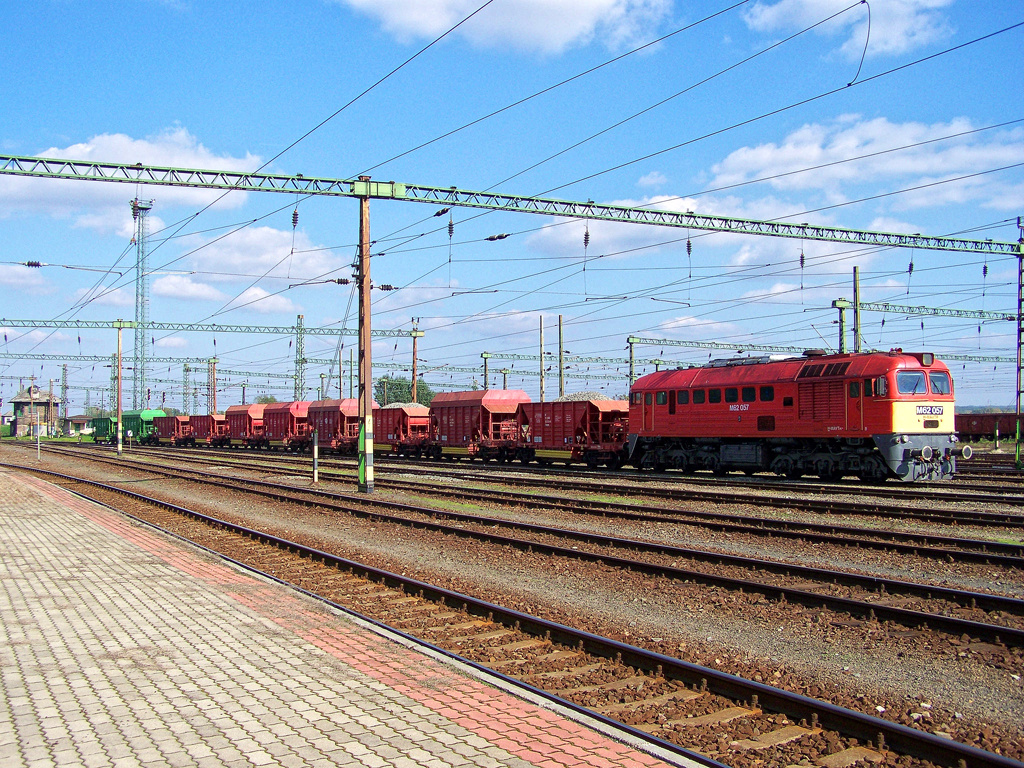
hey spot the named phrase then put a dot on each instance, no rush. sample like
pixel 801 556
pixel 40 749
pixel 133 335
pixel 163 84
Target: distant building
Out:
pixel 77 425
pixel 35 411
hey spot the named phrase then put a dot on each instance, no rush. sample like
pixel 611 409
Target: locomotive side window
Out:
pixel 910 383
pixel 637 398
pixel 748 394
pixel 854 389
pixel 662 398
pixel 732 395
pixel 787 402
pixel 767 394
pixel 868 391
pixel 683 396
pixel 714 395
pixel 648 398
pixel 698 396
pixel 939 381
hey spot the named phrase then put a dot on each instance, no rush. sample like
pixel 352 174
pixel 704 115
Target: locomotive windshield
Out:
pixel 939 381
pixel 910 382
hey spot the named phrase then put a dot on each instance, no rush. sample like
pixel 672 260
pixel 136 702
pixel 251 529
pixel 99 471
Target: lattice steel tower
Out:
pixel 140 213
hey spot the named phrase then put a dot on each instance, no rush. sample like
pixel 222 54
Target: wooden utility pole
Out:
pixel 561 360
pixel 416 333
pixel 365 362
pixel 542 358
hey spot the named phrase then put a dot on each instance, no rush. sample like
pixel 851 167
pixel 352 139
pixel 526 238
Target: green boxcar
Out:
pixel 103 429
pixel 140 424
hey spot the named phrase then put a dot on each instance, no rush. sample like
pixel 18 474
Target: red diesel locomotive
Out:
pixel 875 415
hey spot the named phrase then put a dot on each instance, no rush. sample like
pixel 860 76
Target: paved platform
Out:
pixel 120 646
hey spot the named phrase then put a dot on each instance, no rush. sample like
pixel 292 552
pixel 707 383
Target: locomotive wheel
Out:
pixel 786 466
pixel 873 470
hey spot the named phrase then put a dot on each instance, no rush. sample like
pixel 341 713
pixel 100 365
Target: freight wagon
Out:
pixel 138 425
pixel 481 423
pixel 285 425
pixel 404 427
pixel 973 427
pixel 210 429
pixel 245 425
pixel 104 429
pixel 336 423
pixel 172 430
pixel 589 431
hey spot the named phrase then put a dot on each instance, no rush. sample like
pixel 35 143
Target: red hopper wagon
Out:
pixel 336 423
pixel 480 423
pixel 171 430
pixel 210 429
pixel 403 426
pixel 245 425
pixel 590 431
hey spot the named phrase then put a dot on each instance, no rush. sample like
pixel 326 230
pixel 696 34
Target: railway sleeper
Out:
pixel 683 694
pixel 776 738
pixel 850 757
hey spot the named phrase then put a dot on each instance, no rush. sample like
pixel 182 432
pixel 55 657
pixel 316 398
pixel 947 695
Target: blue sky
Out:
pixel 689 123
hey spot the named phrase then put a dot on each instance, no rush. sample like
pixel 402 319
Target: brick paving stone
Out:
pixel 130 649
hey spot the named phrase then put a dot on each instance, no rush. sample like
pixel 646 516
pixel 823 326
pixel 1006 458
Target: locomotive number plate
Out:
pixel 929 410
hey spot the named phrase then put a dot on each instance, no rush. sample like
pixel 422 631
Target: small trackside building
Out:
pixel 481 423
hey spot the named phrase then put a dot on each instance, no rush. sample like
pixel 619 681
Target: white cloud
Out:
pixel 35 336
pixel 265 251
pixel 897 26
pixel 183 287
pixel 22 278
pixel 546 26
pixel 172 342
pixel 652 179
pixel 105 207
pixel 263 302
pixel 106 297
pixel 848 136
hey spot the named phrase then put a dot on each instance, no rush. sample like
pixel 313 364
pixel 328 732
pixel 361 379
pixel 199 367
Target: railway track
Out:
pixel 863 507
pixel 990 552
pixel 724 719
pixel 933 606
pixel 983 491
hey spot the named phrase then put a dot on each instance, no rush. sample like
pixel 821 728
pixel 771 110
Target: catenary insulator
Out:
pixel 295 218
pixel 689 247
pixel 451 228
pixel 586 238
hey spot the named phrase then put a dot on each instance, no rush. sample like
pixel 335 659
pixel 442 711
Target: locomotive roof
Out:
pixel 766 371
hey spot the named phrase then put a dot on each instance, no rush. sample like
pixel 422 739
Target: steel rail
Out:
pixel 865 609
pixel 925 545
pixel 908 740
